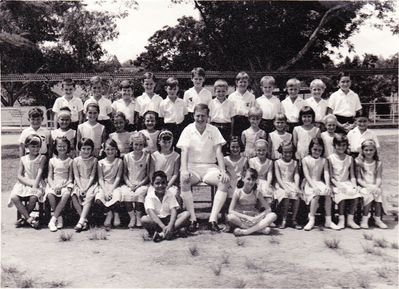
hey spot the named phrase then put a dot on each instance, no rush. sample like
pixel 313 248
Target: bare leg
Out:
pixel 284 210
pixel 261 225
pixel 61 205
pixel 295 209
pixel 53 201
pixel 327 208
pixel 20 207
pixel 218 202
pixel 234 221
pixel 377 217
pixel 182 219
pixel 32 203
pixel 314 204
pixel 77 205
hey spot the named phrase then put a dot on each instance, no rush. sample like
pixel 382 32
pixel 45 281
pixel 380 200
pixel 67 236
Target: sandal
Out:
pixel 79 227
pixel 20 223
pixel 33 223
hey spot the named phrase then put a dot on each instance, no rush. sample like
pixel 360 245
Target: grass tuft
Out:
pixel 275 241
pixel 381 243
pixel 96 234
pixel 25 282
pixel 239 283
pixel 217 269
pixel 382 272
pixel 9 269
pixel 367 236
pixel 332 243
pixel 240 242
pixel 57 284
pixel 194 250
pixel 225 259
pixel 394 245
pixel 372 250
pixel 363 281
pixel 250 264
pixel 65 236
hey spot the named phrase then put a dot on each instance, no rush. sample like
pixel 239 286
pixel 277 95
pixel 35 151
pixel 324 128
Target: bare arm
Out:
pixel 50 177
pixel 224 178
pixel 175 175
pixel 101 178
pixel 295 137
pixel 21 149
pixel 307 176
pixel 296 176
pixel 352 173
pixel 331 173
pixel 118 177
pixel 21 178
pixel 78 138
pixel 243 139
pixel 264 204
pixel 233 206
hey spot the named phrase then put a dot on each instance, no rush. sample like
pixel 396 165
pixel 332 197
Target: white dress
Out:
pixel 304 138
pixel 30 170
pixel 250 138
pixel 340 173
pixel 93 132
pixel 85 167
pixel 262 169
pixel 110 171
pixel 316 170
pixel 152 139
pixel 287 173
pixel 234 169
pixel 122 140
pixel 328 143
pixel 60 176
pixel 277 139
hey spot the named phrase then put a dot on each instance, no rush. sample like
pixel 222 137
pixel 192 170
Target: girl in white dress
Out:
pixel 85 172
pixel 369 178
pixel 278 136
pixel 315 168
pixel 150 133
pixel 253 133
pixel 243 213
pixel 343 181
pixel 136 165
pixel 64 122
pixel 303 133
pixel 330 123
pixel 121 136
pixel 287 184
pixel 108 193
pixel 59 181
pixel 30 184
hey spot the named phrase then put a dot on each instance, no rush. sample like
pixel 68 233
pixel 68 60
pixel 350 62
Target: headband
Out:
pixel 368 142
pixel 64 113
pixel 261 141
pixel 165 133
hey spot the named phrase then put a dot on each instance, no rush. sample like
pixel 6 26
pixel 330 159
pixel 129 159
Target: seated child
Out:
pixel 64 130
pixel 359 134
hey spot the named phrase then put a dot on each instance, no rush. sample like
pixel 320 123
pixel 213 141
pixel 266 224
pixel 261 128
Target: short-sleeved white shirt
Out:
pixel 291 109
pixel 201 147
pixel 44 134
pixel 75 105
pixel 355 138
pixel 172 111
pixel 242 102
pixel 192 98
pixel 127 109
pixel 221 112
pixel 104 104
pixel 164 208
pixel 269 106
pixel 144 103
pixel 320 108
pixel 344 104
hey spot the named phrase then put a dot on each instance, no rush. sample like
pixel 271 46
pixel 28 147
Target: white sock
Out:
pixel 188 200
pixel 218 202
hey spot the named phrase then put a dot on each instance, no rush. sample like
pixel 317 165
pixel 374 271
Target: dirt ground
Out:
pixel 287 259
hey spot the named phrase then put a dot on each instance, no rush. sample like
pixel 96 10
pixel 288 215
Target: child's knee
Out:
pixel 185 194
pixel 15 198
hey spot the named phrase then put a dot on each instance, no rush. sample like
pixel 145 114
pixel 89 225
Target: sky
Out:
pixel 152 15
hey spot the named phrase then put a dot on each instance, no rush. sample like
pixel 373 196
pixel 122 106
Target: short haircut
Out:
pixel 255 111
pixel 138 136
pixel 317 82
pixel 316 141
pixel 198 71
pixel 172 82
pixel 125 84
pixel 238 140
pixel 293 82
pixel 267 79
pixel 93 104
pixel 68 81
pixel 306 110
pixel 220 83
pixel 159 174
pixel 242 75
pixel 201 106
pixel 95 80
pixel 254 175
pixel 286 144
pixel 329 117
pixel 340 139
pixel 150 112
pixel 119 114
pixel 280 116
pixel 149 75
pixel 33 139
pixel 113 144
pixel 35 112
pixel 86 142
pixel 343 74
pixel 62 139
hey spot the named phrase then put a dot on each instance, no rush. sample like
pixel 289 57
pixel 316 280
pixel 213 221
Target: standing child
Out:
pixel 318 104
pixel 242 100
pixel 135 175
pixel 369 178
pixel 84 172
pixel 292 104
pixel 30 182
pixel 196 94
pixel 91 129
pixel 75 104
pixel 315 168
pixel 345 104
pixel 64 130
pixel 253 133
pixel 269 103
pixel 330 123
pixel 343 181
pixel 287 185
pixel 121 136
pixel 359 134
pixel 127 105
pixel 278 136
pixel 150 133
pixel 59 181
pixel 243 212
pixel 162 220
pixel 108 194
pixel 305 132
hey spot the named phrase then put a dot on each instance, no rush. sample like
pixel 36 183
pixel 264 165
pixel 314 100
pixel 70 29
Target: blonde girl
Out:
pixel 30 183
pixel 85 173
pixel 253 133
pixel 242 211
pixel 64 130
pixel 369 178
pixel 343 180
pixel 330 123
pixel 135 174
pixel 315 168
pixel 59 181
pixel 121 136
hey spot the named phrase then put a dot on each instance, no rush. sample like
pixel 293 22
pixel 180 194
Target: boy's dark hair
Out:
pixel 306 110
pixel 63 139
pixel 340 138
pixel 254 175
pixel 113 144
pixel 35 112
pixel 86 142
pixel 316 141
pixel 33 139
pixel 172 82
pixel 343 74
pixel 201 106
pixel 68 81
pixel 65 108
pixel 125 84
pixel 93 104
pixel 153 113
pixel 95 80
pixel 149 75
pixel 160 174
pixel 198 71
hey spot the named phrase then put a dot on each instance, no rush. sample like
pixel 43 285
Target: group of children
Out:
pixel 277 154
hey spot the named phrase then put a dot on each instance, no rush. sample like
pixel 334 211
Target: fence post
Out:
pixel 375 112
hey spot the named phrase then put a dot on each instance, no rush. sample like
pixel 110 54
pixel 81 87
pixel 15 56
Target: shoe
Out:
pixel 52 226
pixel 351 223
pixel 238 232
pixel 341 222
pixel 117 220
pixel 213 226
pixel 138 223
pixel 266 231
pixel 193 226
pixel 33 223
pixel 379 223
pixel 227 229
pixel 309 226
pixel 60 222
pixel 331 225
pixel 20 223
pixel 157 237
pixel 283 224
pixel 79 227
pixel 182 233
pixel 364 224
pixel 296 225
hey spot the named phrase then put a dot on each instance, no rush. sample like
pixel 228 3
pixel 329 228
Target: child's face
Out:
pixel 307 119
pixel 317 91
pixel 110 151
pixel 201 116
pixel 220 92
pixel 316 151
pixel 242 83
pixel 148 85
pixel 166 143
pixel 293 90
pixel 97 89
pixel 138 145
pixel 127 93
pixel 34 149
pixel 267 88
pixel 248 181
pixel 68 89
pixel 369 152
pixel 172 91
pixel 159 185
pixel 254 120
pixel 362 123
pixel 64 121
pixel 62 148
pixel 36 122
pixel 149 121
pixel 287 154
pixel 235 148
pixel 279 125
pixel 261 151
pixel 341 148
pixel 85 151
pixel 198 81
pixel 331 125
pixel 119 124
pixel 92 114
pixel 344 83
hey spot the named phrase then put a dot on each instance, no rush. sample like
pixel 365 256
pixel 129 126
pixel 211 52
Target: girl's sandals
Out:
pixel 20 223
pixel 33 223
pixel 81 227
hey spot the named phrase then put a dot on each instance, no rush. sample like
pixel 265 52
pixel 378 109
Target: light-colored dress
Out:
pixel 166 163
pixel 262 169
pixel 234 169
pixel 60 175
pixel 250 138
pixel 93 132
pixel 316 171
pixel 287 173
pixel 30 170
pixel 304 138
pixel 328 143
pixel 277 139
pixel 85 168
pixel 152 139
pixel 137 171
pixel 122 140
pixel 246 204
pixel 340 173
pixel 110 171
